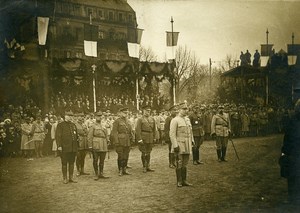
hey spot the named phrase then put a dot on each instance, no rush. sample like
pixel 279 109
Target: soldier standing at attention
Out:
pixel 181 136
pixel 173 112
pixel 67 142
pixel 220 129
pixel 197 121
pixel 122 137
pixel 83 146
pixel 145 136
pixel 98 142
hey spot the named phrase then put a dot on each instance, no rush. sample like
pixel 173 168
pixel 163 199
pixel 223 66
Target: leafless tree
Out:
pixel 228 63
pixel 147 54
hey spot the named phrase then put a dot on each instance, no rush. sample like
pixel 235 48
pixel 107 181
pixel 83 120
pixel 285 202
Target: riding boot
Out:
pixel 120 165
pixel 78 166
pixel 144 162
pixel 124 170
pixel 184 174
pixel 96 172
pixel 71 171
pixel 101 175
pixel 64 172
pixel 171 164
pixel 148 164
pixel 224 154
pixel 179 177
pixel 82 169
pixel 219 155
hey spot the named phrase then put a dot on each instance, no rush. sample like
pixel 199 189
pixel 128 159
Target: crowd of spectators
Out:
pixel 245 120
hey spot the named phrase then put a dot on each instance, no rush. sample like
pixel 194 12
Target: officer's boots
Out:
pixel 101 175
pixel 71 171
pixel 219 155
pixel 124 168
pixel 179 177
pixel 171 160
pixel 96 173
pixel 184 174
pixel 144 162
pixel 224 154
pixel 148 164
pixel 64 171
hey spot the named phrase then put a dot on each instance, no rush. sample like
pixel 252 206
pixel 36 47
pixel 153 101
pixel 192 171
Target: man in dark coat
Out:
pixel 291 148
pixel 67 142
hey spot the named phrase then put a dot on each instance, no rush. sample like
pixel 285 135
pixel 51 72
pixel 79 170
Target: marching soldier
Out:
pixel 145 135
pixel 197 121
pixel 181 136
pixel 220 129
pixel 83 146
pixel 122 137
pixel 67 142
pixel 98 142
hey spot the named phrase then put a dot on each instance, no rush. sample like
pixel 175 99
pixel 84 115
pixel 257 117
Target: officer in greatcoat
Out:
pixel 145 132
pixel 181 136
pixel 122 137
pixel 67 143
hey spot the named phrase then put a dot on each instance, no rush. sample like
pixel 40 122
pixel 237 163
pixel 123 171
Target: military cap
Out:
pixel 69 113
pixel 220 107
pixel 99 113
pixel 146 107
pixel 123 109
pixel 174 107
pixel 182 105
pixel 80 114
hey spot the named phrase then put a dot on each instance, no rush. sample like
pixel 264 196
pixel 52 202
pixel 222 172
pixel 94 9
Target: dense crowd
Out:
pixel 20 122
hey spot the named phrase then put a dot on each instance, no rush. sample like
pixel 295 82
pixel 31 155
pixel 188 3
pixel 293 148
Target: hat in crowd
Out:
pixel 80 114
pixel 69 113
pixel 123 109
pixel 220 107
pixel 174 107
pixel 7 120
pixel 98 113
pixel 183 105
pixel 146 107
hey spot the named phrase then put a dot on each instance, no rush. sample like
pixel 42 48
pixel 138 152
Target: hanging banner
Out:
pixel 293 49
pixel 172 38
pixel 266 49
pixel 42 29
pixel 135 35
pixel 90 40
pixel 133 50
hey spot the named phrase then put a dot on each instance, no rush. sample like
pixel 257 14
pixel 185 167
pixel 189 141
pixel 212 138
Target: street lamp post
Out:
pixel 94 87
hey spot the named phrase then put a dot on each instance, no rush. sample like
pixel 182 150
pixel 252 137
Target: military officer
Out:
pixel 197 121
pixel 83 146
pixel 220 129
pixel 98 140
pixel 67 143
pixel 181 136
pixel 122 138
pixel 145 135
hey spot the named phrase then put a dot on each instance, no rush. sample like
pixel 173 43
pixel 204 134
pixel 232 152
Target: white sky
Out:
pixel 215 28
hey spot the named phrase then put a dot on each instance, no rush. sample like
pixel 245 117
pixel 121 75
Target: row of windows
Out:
pixel 96 13
pixel 79 54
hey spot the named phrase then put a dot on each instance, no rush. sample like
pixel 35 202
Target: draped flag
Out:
pixel 266 49
pixel 172 38
pixel 134 40
pixel 293 49
pixel 90 40
pixel 42 23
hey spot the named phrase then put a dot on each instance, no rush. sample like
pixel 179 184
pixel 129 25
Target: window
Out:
pixel 130 18
pixel 89 11
pixel 101 35
pixel 121 17
pixel 78 54
pixel 79 34
pixel 110 15
pixel 68 54
pixel 65 8
pixel 100 14
pixel 77 10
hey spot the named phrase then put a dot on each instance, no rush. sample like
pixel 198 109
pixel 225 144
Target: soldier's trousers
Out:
pixel 80 160
pixel 182 160
pixel 68 159
pixel 98 161
pixel 145 149
pixel 123 155
pixel 198 140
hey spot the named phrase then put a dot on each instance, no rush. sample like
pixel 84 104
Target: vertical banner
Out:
pixel 172 38
pixel 90 40
pixel 42 23
pixel 266 49
pixel 133 50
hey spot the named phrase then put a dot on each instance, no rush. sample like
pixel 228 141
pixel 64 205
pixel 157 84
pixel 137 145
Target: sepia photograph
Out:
pixel 149 106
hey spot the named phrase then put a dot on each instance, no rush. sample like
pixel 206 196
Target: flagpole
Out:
pixel 174 80
pixel 293 37
pixel 94 87
pixel 267 76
